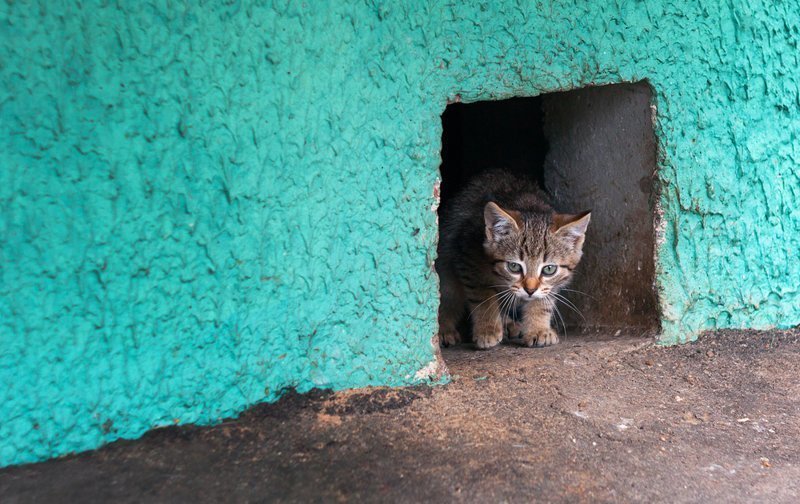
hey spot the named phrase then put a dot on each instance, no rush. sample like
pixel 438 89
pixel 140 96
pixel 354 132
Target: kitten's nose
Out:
pixel 530 285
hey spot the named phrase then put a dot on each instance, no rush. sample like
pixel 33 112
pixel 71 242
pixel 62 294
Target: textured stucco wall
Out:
pixel 205 204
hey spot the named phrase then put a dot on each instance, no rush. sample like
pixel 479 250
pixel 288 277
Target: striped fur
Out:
pixel 503 256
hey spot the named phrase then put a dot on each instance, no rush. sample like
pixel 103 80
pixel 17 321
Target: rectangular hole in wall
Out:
pixel 590 148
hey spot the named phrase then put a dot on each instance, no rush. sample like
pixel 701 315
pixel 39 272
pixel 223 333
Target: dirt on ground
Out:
pixel 594 419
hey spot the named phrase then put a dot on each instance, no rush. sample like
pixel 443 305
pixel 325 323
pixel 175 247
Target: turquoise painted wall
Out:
pixel 204 205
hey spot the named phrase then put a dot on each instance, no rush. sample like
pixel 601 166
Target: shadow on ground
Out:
pixel 593 419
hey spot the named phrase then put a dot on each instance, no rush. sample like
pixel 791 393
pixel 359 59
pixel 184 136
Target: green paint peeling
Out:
pixel 205 206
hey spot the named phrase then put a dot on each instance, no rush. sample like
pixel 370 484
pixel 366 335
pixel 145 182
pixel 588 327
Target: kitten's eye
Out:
pixel 513 267
pixel 549 270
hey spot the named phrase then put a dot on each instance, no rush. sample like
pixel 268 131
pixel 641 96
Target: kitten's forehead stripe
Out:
pixel 523 245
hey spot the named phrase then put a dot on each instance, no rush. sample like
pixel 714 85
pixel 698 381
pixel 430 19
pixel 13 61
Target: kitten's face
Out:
pixel 533 255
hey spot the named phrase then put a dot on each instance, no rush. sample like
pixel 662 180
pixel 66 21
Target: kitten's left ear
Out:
pixel 572 226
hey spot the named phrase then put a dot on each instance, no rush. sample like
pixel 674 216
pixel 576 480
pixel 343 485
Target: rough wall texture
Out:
pixel 602 157
pixel 204 204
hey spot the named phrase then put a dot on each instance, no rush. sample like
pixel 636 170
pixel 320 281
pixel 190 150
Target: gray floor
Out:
pixel 593 419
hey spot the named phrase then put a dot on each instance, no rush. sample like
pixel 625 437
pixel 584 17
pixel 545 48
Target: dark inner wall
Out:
pixel 603 157
pixel 492 134
pixel 591 148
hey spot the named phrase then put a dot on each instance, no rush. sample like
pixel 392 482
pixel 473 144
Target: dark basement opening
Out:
pixel 589 148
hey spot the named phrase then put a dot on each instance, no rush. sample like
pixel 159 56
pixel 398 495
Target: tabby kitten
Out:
pixel 503 255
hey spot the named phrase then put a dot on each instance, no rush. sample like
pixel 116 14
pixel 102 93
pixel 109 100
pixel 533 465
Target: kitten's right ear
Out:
pixel 499 223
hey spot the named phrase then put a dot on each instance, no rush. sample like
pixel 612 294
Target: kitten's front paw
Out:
pixel 449 338
pixel 484 341
pixel 540 338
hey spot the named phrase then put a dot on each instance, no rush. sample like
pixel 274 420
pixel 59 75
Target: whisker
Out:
pixel 553 307
pixel 485 300
pixel 496 312
pixel 485 313
pixel 558 313
pixel 514 305
pixel 579 292
pixel 568 304
pixel 502 313
pixel 514 300
pixel 505 306
pixel 565 300
pixel 512 308
pixel 573 308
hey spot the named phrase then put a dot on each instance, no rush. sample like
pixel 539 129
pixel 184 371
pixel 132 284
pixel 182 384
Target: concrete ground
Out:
pixel 591 420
